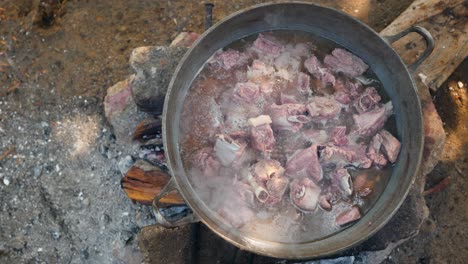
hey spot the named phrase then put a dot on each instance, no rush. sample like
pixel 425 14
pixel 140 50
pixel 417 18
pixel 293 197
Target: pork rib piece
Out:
pixel 391 145
pixel 229 59
pixel 348 216
pixel 320 72
pixel 270 175
pixel 343 61
pixel 368 100
pixel 261 134
pixel 338 136
pixel 207 163
pixel 287 116
pixel 247 92
pixel 268 45
pixel 305 163
pixel 322 108
pixel 370 122
pixel 229 151
pixel 304 194
pixel 374 153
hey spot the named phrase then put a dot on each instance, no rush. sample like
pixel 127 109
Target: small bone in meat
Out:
pixel 246 92
pixel 207 163
pixel 228 150
pixel 323 108
pixel 269 173
pixel 321 73
pixel 261 135
pixel 304 194
pixel 348 216
pixel 260 192
pixel 368 100
pixel 391 145
pixel 374 153
pixel 305 163
pixel 338 136
pixel 343 179
pixel 230 58
pixel 370 122
pixel 280 113
pixel 266 169
pixel 268 45
pixel 343 61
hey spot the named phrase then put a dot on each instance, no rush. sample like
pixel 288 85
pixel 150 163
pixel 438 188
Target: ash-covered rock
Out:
pixel 153 67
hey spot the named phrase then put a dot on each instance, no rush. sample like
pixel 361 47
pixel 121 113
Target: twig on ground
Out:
pixel 4 155
pixel 438 187
pixel 458 170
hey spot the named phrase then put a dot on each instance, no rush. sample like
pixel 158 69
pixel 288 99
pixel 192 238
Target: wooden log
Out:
pixel 144 181
pixel 147 129
pixel 447 20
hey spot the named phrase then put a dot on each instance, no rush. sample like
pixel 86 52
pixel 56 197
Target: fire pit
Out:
pixel 407 220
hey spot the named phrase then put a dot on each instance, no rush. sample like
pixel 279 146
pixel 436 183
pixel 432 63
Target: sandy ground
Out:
pixel 60 197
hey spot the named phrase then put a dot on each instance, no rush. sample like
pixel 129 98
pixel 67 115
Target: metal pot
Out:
pixel 348 32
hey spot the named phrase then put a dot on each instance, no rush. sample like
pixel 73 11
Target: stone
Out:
pixel 153 67
pixel 125 164
pixel 155 242
pixel 121 111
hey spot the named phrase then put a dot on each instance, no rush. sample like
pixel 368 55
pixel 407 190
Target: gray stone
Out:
pixel 37 171
pixel 125 164
pixel 121 111
pixel 153 67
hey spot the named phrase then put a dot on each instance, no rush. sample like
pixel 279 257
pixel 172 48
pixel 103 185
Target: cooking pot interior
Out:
pixel 352 35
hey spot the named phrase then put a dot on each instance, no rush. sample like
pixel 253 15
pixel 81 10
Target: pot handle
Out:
pixel 427 37
pixel 170 210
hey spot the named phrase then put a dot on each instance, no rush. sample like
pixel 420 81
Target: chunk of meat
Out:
pixel 247 92
pixel 288 99
pixel 322 108
pixel 230 59
pixel 374 153
pixel 305 163
pixel 368 100
pixel 302 83
pixel 338 136
pixel 266 169
pixel 370 122
pixel 270 174
pixel 259 69
pixel 354 155
pixel 348 216
pixel 342 179
pixel 321 73
pixel 390 145
pixel 343 61
pixel 287 116
pixel 229 151
pixel 288 62
pixel 304 194
pixel 207 162
pixel 268 45
pixel 276 188
pixel 261 134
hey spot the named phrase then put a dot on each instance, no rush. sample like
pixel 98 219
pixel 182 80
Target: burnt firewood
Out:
pixel 149 128
pixel 144 181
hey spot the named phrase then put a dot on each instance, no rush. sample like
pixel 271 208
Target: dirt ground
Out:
pixel 60 195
